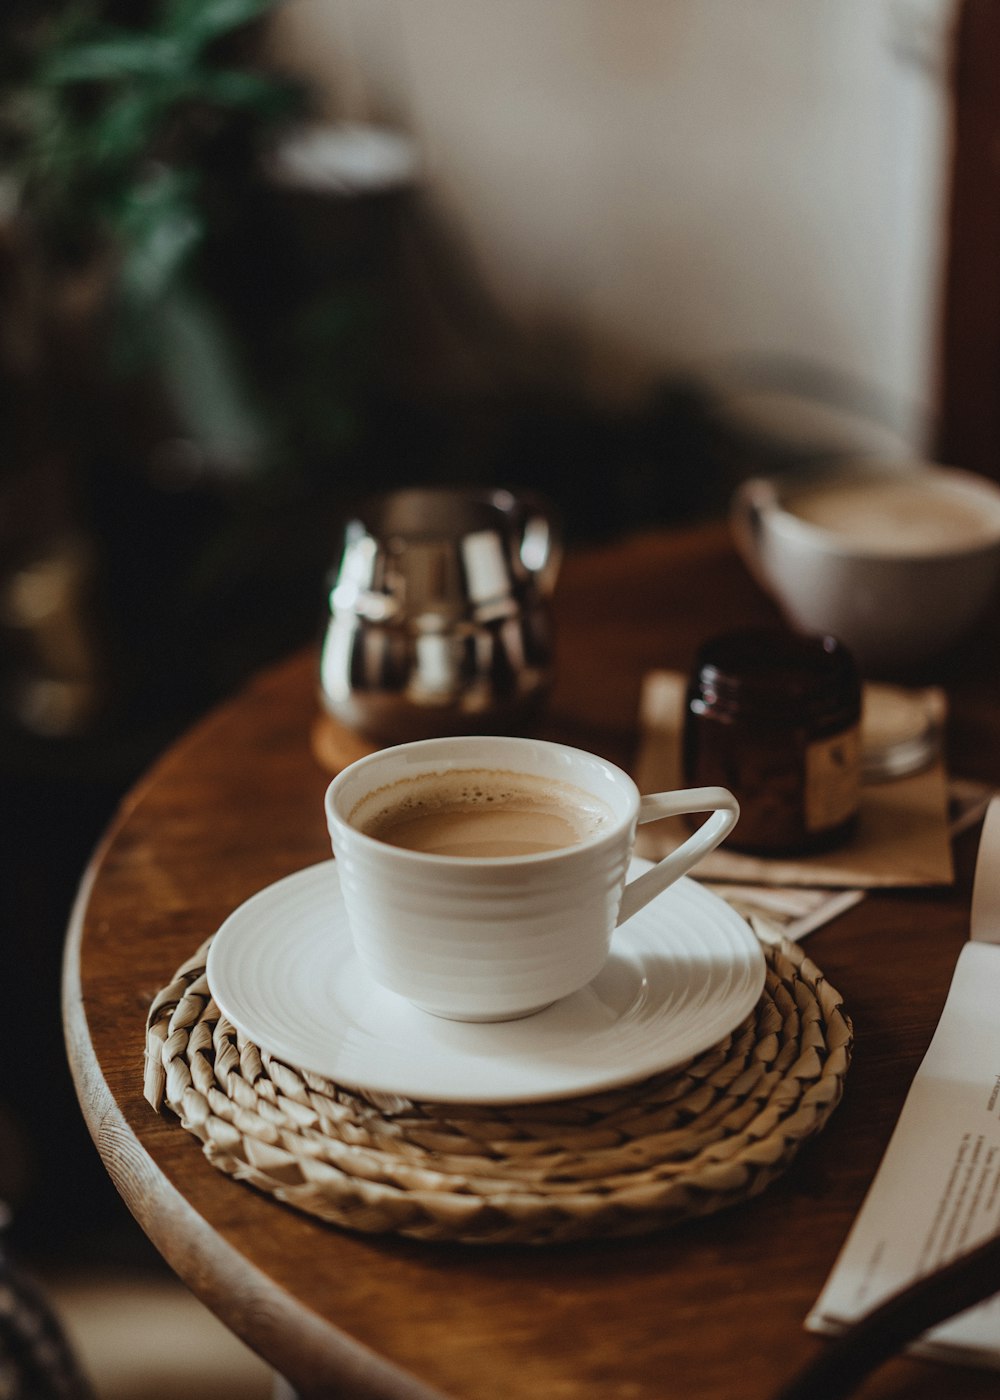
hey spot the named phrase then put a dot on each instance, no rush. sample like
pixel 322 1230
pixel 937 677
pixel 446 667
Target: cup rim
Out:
pixel 587 844
pixel 819 537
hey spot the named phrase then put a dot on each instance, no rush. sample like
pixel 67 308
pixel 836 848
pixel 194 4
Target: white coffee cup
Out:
pixel 897 560
pixel 495 937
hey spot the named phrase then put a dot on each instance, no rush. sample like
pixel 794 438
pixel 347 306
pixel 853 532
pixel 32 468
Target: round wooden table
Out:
pixel 711 1310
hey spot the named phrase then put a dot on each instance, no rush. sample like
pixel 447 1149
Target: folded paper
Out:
pixel 937 1190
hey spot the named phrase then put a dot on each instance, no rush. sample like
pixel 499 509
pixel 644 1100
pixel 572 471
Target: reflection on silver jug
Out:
pixel 439 613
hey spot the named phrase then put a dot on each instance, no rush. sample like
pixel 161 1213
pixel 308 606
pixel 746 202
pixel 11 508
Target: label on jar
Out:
pixel 833 779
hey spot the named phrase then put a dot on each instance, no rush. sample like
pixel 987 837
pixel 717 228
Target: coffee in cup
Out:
pixel 483 876
pixel 480 813
pixel 899 515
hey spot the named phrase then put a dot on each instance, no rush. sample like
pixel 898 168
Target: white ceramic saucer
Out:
pixel 683 973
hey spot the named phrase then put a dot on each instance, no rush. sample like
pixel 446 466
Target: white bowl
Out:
pixel 897 560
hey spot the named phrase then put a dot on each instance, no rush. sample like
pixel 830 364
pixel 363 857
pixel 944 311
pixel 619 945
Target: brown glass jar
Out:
pixel 775 717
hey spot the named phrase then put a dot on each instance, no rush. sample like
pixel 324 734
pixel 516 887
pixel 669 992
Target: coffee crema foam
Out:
pixel 480 813
pixel 905 516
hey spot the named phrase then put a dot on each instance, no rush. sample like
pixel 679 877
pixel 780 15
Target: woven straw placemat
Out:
pixel 683 1143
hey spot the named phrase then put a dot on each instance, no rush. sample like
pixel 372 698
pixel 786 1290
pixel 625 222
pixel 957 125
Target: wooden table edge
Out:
pixel 311 1354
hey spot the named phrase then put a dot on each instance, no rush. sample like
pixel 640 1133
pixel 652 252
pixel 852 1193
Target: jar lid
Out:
pixel 777 672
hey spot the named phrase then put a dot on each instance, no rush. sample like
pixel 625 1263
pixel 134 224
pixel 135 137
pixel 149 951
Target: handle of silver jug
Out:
pixel 541 547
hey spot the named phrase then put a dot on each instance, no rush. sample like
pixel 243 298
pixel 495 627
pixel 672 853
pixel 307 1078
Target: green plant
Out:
pixel 122 133
pixel 116 126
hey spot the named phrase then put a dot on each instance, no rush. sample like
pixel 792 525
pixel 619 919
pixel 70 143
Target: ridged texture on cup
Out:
pixel 555 935
pixel 482 939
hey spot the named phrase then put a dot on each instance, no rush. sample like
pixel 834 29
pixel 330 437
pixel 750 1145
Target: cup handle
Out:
pixel 725 810
pixel 538 543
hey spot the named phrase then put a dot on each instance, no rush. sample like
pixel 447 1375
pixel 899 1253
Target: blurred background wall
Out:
pixel 668 186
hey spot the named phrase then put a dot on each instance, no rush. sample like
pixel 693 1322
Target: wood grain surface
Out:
pixel 710 1311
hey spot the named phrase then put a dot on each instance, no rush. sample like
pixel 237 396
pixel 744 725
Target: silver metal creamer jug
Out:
pixel 439 617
